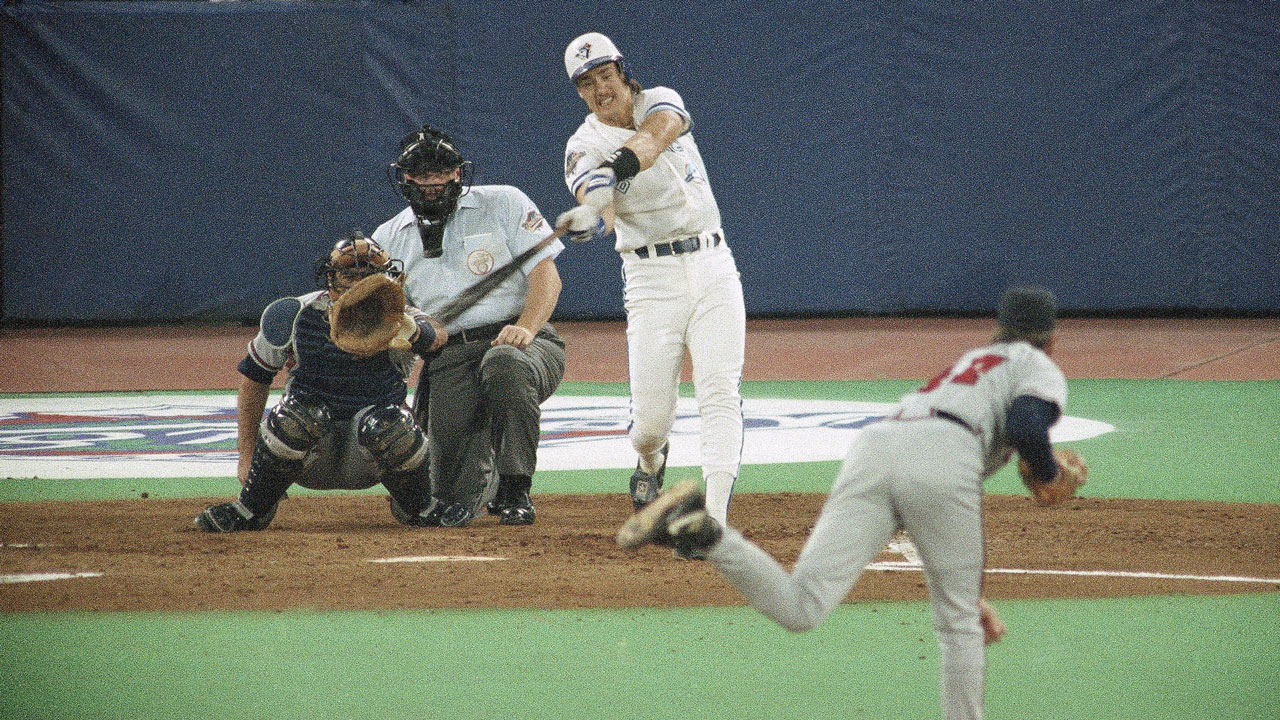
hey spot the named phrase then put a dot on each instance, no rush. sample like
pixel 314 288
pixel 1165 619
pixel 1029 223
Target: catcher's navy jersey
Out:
pixel 318 368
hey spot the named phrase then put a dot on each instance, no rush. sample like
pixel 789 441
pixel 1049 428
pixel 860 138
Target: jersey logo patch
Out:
pixel 480 262
pixel 571 161
pixel 532 221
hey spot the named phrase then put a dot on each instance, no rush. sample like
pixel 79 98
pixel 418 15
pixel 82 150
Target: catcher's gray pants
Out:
pixel 483 411
pixel 338 462
pixel 922 476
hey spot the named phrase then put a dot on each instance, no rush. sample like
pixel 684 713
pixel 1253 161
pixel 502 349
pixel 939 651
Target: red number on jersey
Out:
pixel 970 376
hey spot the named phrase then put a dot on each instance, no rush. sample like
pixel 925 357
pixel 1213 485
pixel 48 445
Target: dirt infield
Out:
pixel 319 553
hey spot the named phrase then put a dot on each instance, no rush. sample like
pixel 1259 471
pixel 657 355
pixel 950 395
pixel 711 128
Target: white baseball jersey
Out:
pixel 493 224
pixel 981 386
pixel 670 200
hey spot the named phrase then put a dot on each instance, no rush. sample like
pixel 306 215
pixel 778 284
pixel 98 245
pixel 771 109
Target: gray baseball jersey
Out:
pixel 921 470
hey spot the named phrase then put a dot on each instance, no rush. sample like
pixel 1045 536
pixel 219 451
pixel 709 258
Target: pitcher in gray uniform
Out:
pixel 479 396
pixel 921 470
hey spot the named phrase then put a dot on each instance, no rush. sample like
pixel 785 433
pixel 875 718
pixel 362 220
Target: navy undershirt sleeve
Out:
pixel 1028 424
pixel 254 371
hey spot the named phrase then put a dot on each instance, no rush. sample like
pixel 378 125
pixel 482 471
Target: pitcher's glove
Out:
pixel 369 317
pixel 1072 473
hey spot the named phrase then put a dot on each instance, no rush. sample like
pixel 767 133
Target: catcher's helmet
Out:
pixel 426 151
pixel 588 51
pixel 352 258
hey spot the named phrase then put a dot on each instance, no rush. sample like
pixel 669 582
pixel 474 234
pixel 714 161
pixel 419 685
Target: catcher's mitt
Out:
pixel 369 315
pixel 1072 473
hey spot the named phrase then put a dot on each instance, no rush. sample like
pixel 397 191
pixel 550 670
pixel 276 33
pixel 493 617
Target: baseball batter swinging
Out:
pixel 634 166
pixel 921 470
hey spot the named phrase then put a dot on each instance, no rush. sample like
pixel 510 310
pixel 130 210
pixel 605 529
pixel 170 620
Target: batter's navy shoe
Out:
pixel 232 517
pixel 677 519
pixel 645 487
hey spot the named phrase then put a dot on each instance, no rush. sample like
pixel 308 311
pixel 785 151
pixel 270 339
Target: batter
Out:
pixel 920 470
pixel 634 166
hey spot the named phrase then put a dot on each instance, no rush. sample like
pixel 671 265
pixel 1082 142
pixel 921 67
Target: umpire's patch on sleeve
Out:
pixel 277 321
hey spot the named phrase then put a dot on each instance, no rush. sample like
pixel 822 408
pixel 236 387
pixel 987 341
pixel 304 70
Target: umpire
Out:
pixel 479 396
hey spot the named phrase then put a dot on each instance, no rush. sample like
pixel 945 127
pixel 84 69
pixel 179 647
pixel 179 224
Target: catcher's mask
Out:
pixel 353 258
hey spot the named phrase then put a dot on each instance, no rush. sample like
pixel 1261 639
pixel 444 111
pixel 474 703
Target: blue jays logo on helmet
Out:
pixel 588 51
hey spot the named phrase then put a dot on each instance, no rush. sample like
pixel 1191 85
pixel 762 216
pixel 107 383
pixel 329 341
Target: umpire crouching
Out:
pixel 479 396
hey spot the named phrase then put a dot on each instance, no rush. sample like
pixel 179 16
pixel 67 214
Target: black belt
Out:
pixel 680 247
pixel 476 334
pixel 959 421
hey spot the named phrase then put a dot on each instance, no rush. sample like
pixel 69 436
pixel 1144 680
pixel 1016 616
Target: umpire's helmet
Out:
pixel 427 151
pixel 352 258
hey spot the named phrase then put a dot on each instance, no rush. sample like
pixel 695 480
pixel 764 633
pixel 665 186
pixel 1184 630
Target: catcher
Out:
pixel 342 422
pixel 920 470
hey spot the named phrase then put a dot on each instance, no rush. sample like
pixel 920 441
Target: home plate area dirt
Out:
pixel 345 551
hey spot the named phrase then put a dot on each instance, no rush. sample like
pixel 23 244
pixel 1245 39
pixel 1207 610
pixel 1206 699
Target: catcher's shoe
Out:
pixel 455 515
pixel 232 517
pixel 677 519
pixel 429 516
pixel 518 511
pixel 645 487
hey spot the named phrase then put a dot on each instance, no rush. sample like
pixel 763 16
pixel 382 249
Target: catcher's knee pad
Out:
pixel 390 434
pixel 294 426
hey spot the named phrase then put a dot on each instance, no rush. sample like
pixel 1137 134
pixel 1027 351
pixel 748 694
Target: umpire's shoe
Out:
pixel 677 519
pixel 512 503
pixel 645 487
pixel 232 517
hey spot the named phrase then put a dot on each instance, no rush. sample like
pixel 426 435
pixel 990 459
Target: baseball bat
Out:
pixel 472 295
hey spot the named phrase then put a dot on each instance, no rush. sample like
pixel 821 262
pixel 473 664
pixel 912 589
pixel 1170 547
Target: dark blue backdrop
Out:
pixel 180 161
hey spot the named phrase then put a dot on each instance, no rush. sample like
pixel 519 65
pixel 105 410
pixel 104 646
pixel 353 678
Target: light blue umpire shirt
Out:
pixel 493 224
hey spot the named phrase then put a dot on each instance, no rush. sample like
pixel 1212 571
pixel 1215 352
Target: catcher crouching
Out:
pixel 342 423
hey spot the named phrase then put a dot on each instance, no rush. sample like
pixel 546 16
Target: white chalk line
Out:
pixel 434 558
pixel 900 566
pixel 41 577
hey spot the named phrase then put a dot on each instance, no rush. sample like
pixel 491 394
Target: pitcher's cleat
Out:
pixel 676 519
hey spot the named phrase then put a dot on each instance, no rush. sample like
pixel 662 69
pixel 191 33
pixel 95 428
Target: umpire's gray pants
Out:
pixel 482 412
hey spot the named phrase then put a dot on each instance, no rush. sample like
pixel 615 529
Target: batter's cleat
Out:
pixel 645 487
pixel 677 519
pixel 519 511
pixel 232 517
pixel 429 516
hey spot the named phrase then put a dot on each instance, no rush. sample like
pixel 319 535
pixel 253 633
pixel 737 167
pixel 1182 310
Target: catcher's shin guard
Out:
pixel 269 477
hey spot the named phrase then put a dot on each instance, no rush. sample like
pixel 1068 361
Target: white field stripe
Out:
pixel 898 566
pixel 38 577
pixel 434 558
